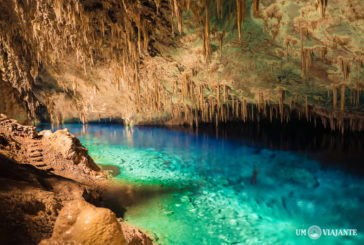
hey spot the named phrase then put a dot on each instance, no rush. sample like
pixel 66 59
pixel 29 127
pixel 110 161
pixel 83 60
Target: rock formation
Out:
pixel 82 223
pixel 47 178
pixel 87 60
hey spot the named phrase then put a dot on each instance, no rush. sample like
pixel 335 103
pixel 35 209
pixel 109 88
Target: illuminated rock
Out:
pixel 82 223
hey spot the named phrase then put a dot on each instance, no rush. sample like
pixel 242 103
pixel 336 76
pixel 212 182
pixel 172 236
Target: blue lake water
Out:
pixel 225 191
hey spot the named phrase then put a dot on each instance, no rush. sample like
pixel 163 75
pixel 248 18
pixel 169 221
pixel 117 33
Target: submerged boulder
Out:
pixel 298 176
pixel 82 223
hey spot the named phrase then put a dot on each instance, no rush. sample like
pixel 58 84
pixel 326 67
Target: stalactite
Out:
pixel 178 15
pixel 158 5
pixel 220 37
pixel 286 43
pixel 255 7
pixel 196 118
pixel 224 92
pixel 306 108
pixel 323 5
pixel 145 36
pixel 334 97
pixel 244 110
pixel 344 66
pixel 260 101
pixel 306 61
pixel 342 97
pixel 237 109
pixel 252 114
pixel 323 52
pixel 358 65
pixel 281 102
pixel 211 108
pixel 301 45
pixel 188 3
pixel 218 95
pixel 271 113
pixel 207 32
pixel 219 9
pixel 240 15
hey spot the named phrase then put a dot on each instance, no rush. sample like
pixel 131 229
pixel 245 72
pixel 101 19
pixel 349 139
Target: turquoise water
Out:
pixel 213 197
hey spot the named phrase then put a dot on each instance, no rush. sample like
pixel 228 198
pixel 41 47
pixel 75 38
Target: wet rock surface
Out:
pixel 45 176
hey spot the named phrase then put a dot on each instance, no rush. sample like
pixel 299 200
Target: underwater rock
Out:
pixel 134 236
pixel 111 169
pixel 298 176
pixel 82 223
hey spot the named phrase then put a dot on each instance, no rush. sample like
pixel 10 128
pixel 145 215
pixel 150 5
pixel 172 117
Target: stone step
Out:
pixel 37 160
pixel 36 150
pixel 36 155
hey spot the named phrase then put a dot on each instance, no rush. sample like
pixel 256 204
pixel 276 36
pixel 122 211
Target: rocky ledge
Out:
pixel 52 192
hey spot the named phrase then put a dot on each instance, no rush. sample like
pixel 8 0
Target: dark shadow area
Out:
pixel 331 148
pixel 30 200
pixel 118 197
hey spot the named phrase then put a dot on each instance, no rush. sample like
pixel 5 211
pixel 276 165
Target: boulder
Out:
pixel 70 147
pixel 298 176
pixel 82 223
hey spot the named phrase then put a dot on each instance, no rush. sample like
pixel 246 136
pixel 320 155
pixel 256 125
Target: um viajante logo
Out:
pixel 314 232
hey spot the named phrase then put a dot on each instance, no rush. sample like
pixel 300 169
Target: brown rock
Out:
pixel 71 148
pixel 82 223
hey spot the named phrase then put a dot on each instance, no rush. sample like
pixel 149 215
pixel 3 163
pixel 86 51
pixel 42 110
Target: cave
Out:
pixel 181 122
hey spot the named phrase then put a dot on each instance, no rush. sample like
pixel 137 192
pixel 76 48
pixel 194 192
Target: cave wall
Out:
pixel 11 104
